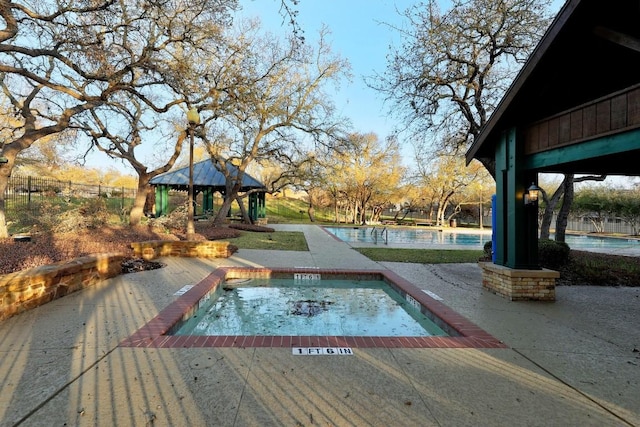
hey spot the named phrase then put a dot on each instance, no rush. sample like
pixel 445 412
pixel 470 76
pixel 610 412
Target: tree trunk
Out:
pixel 362 214
pixel 439 216
pixel 150 203
pixel 223 211
pixel 310 209
pixel 4 231
pixel 377 213
pixel 141 198
pixel 354 213
pixel 232 188
pixel 563 214
pixel 550 207
pixel 5 173
pixel 243 211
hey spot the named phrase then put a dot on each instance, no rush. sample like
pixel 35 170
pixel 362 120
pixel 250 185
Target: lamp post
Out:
pixel 194 119
pixel 480 210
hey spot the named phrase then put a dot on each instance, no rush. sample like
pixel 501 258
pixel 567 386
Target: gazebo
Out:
pixel 573 108
pixel 207 180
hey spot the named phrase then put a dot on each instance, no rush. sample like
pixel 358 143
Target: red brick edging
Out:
pixel 153 334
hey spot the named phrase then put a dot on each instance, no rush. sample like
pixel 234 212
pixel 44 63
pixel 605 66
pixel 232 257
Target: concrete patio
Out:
pixel 573 362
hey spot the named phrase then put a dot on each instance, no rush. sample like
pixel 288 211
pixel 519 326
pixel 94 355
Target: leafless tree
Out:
pixel 455 65
pixel 262 98
pixel 61 60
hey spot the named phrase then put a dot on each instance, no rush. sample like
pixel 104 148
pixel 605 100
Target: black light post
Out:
pixel 194 119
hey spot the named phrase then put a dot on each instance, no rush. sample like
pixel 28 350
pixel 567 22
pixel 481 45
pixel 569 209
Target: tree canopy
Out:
pixel 263 99
pixel 62 60
pixel 447 77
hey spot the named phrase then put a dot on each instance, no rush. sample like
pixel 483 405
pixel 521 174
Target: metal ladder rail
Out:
pixel 374 233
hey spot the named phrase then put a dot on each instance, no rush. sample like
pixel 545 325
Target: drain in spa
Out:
pixel 309 307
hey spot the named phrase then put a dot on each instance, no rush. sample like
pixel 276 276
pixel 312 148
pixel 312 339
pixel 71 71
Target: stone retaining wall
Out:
pixel 519 285
pixel 184 248
pixel 23 290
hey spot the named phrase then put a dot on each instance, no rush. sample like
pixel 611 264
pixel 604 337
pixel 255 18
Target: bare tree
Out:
pixel 264 99
pixel 121 142
pixel 455 65
pixel 446 179
pixel 60 60
pixel 564 192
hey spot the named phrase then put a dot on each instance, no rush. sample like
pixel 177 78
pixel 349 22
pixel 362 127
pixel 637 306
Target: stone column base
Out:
pixel 519 285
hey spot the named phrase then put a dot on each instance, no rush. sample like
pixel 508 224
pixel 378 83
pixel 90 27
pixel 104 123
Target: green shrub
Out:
pixel 552 254
pixel 488 251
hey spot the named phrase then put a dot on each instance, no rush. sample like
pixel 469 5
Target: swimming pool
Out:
pixel 584 242
pixel 416 237
pixel 159 332
pixel 424 237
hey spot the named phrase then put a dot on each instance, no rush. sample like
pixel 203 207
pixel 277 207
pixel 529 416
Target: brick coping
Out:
pixel 464 334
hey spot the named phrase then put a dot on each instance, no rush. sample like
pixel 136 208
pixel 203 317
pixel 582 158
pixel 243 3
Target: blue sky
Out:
pixel 358 33
pixel 361 32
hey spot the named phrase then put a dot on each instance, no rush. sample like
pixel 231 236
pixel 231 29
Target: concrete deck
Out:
pixel 574 362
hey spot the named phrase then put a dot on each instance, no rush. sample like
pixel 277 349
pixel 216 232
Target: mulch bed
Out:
pixel 45 248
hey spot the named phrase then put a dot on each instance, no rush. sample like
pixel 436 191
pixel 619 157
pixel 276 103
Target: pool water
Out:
pixel 594 242
pixel 264 307
pixel 394 236
pixel 430 237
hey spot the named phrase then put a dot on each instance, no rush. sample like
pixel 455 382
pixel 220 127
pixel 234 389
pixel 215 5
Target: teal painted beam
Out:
pixel 501 201
pixel 517 226
pixel 207 199
pixel 613 144
pixel 253 206
pixel 162 200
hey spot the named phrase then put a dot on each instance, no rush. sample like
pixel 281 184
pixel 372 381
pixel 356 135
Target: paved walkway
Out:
pixel 574 362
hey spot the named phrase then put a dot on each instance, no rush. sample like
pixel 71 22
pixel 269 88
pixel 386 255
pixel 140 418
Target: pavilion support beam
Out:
pixel 516 274
pixel 618 38
pixel 517 226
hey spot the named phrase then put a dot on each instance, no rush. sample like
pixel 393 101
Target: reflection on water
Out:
pixel 325 307
pixel 428 237
pixel 409 236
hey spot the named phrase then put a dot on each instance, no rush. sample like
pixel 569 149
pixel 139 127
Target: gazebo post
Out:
pixel 207 199
pixel 162 200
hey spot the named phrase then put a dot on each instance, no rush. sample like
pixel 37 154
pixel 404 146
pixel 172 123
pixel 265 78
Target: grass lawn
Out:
pixel 583 268
pixel 278 240
pixel 421 256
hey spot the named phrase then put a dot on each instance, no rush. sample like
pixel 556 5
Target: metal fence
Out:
pixel 611 225
pixel 29 192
